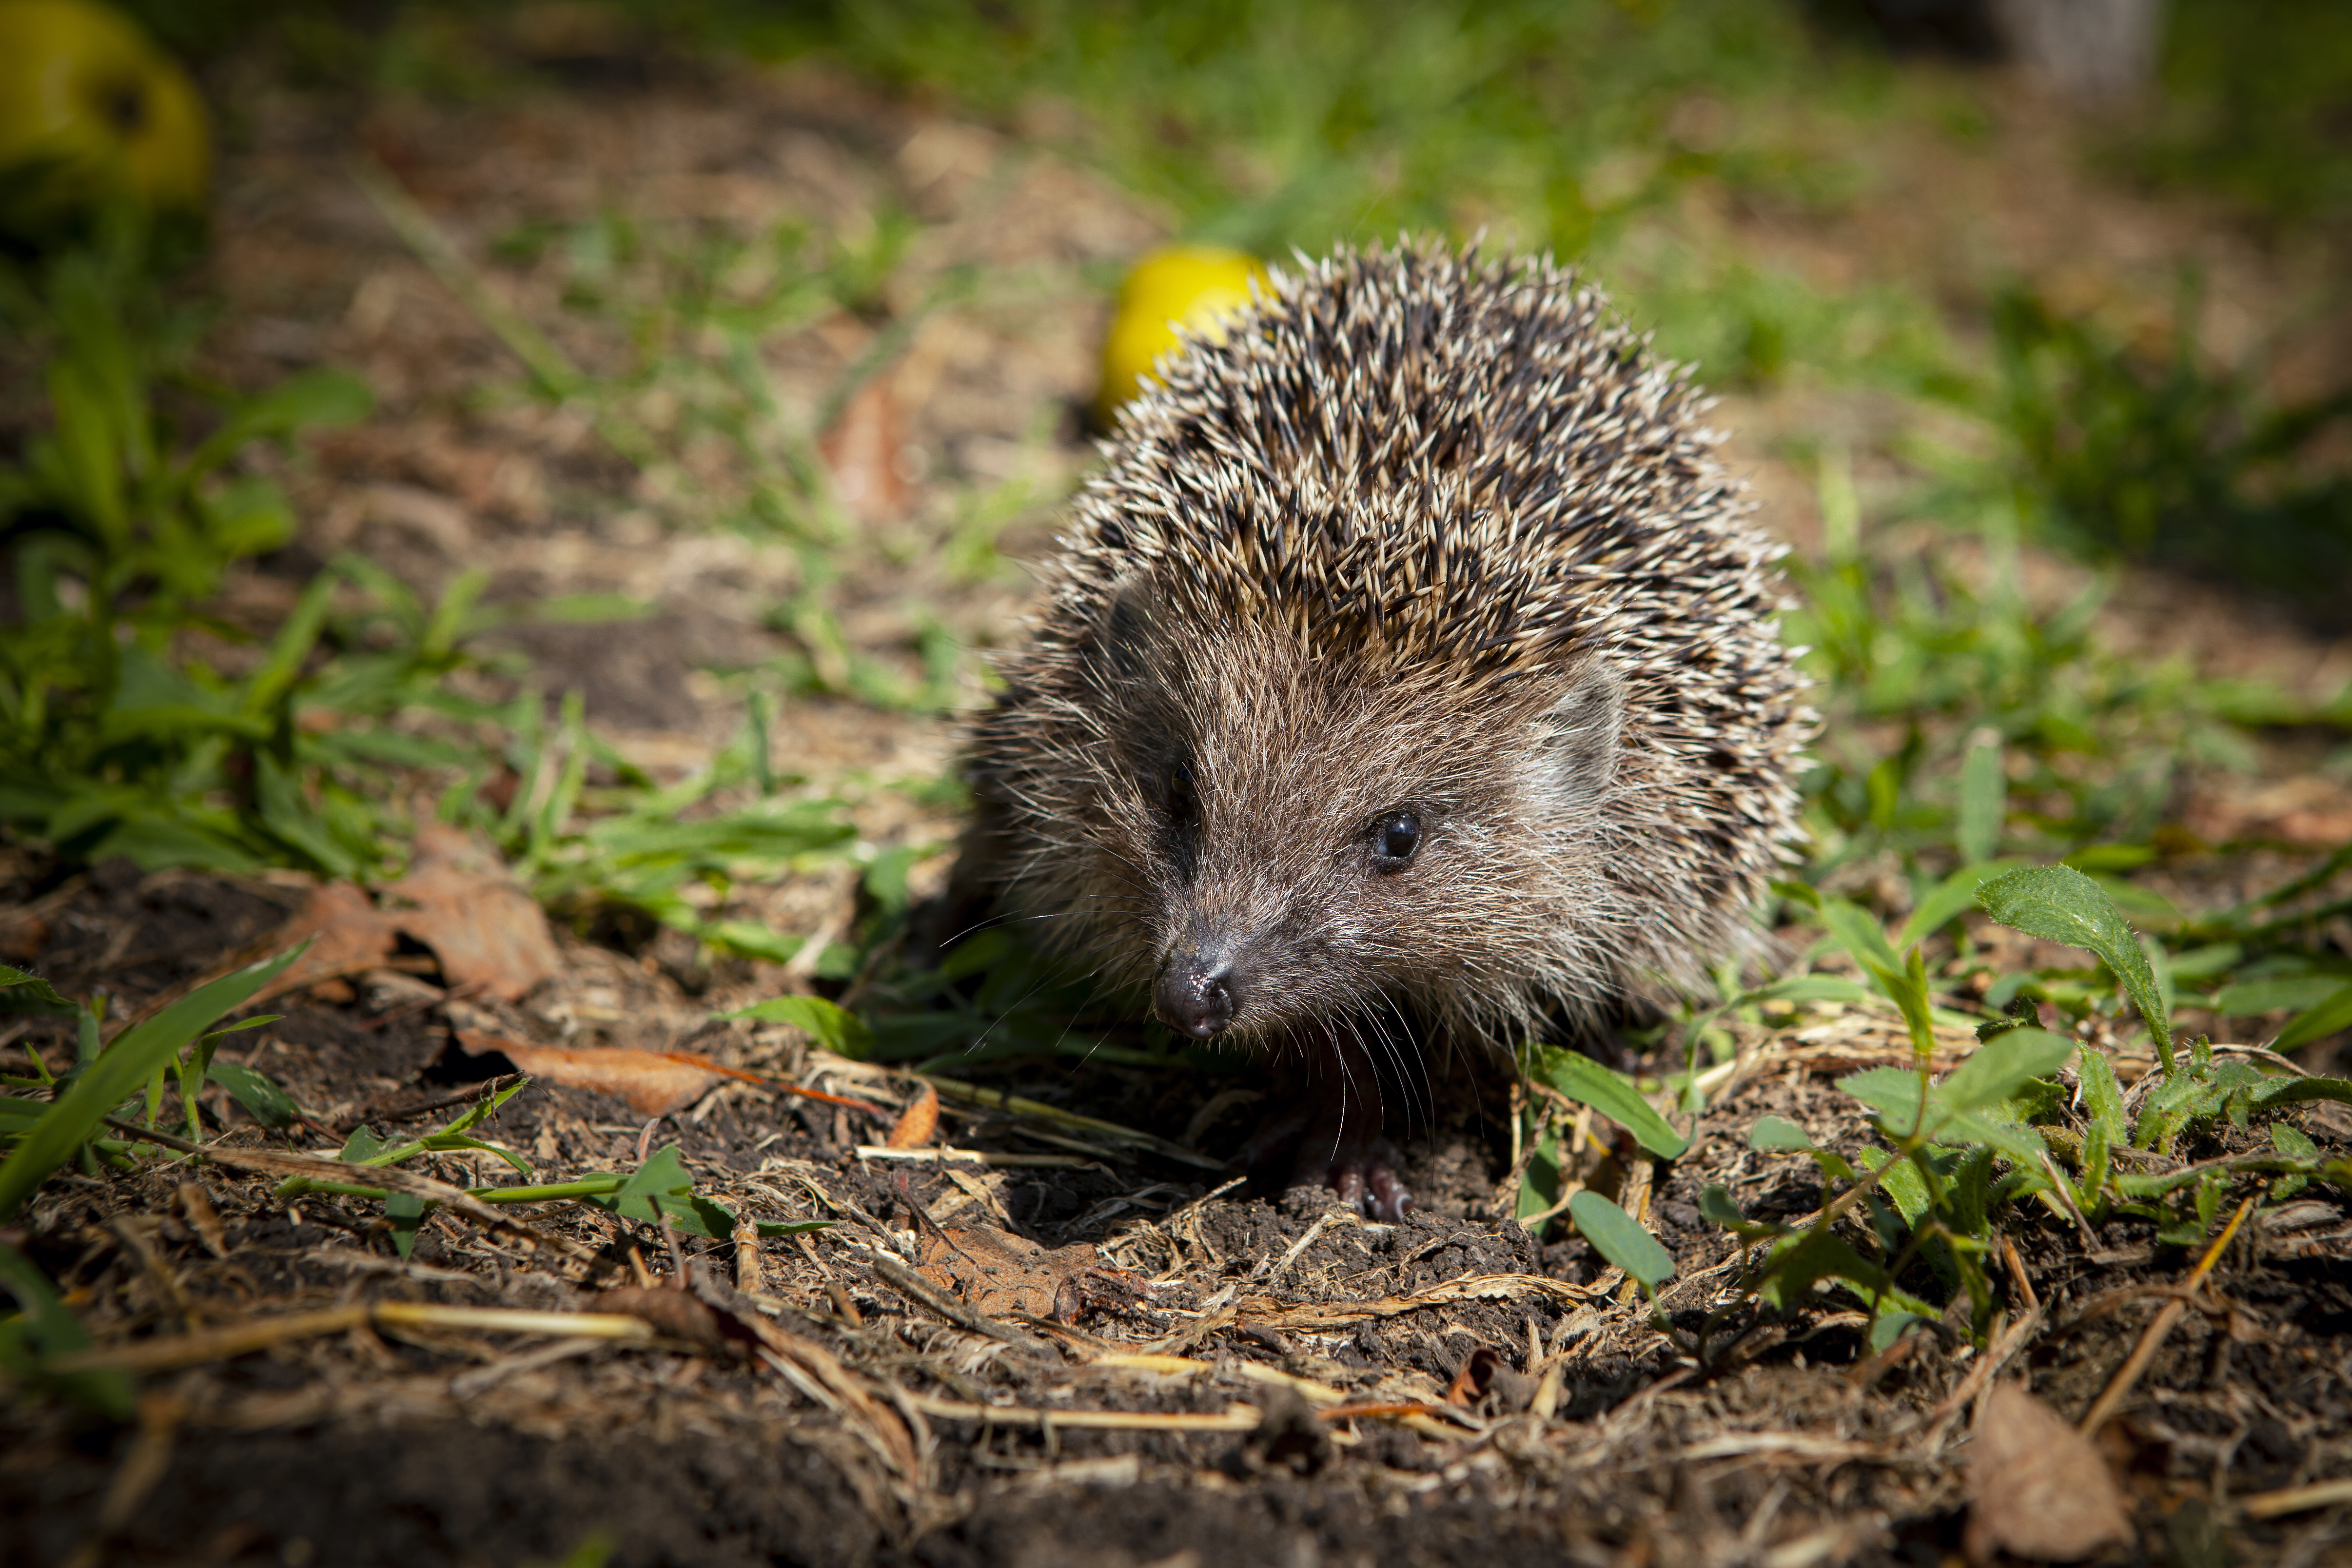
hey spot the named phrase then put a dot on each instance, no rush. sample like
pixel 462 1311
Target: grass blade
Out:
pixel 1984 801
pixel 133 1056
pixel 2330 1016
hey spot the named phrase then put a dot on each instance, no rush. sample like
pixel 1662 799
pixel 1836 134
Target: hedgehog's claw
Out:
pixel 1325 1135
pixel 1368 1183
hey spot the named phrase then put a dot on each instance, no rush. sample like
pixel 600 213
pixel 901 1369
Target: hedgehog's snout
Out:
pixel 1194 991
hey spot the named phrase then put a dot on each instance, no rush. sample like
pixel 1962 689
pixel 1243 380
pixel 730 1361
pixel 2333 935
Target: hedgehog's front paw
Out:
pixel 1367 1182
pixel 1326 1137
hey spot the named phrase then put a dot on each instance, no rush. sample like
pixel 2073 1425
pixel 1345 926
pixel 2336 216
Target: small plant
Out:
pixel 109 1079
pixel 121 520
pixel 1959 1149
pixel 1956 1152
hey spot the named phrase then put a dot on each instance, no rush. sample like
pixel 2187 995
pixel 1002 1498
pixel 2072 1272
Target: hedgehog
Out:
pixel 1407 677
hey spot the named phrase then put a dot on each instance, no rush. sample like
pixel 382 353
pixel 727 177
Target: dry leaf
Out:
pixel 23 936
pixel 998 1273
pixel 862 450
pixel 915 1126
pixel 2313 811
pixel 676 1314
pixel 2037 1488
pixel 487 930
pixel 655 1083
pixel 347 935
pixel 488 934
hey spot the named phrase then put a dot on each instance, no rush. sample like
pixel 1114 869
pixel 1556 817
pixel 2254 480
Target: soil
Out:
pixel 1515 1401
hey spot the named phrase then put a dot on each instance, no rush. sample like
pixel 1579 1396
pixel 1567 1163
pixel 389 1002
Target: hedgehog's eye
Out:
pixel 1183 799
pixel 1394 841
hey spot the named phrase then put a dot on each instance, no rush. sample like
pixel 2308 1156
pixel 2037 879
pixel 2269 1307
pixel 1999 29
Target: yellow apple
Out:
pixel 1189 287
pixel 91 110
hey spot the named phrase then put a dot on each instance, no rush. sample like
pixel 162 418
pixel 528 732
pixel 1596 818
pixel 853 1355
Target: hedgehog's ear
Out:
pixel 1123 633
pixel 1575 755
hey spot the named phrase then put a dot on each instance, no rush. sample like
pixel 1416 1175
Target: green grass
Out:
pixel 1972 735
pixel 2167 462
pixel 2253 108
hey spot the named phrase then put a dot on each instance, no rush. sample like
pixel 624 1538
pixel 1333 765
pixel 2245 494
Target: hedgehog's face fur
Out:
pixel 1270 839
pixel 1408 653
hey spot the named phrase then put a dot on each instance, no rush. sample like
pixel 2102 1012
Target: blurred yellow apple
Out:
pixel 92 109
pixel 1191 287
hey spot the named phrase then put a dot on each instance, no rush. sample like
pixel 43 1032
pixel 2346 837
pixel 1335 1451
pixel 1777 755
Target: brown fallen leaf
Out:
pixel 484 926
pixel 996 1273
pixel 23 935
pixel 862 450
pixel 676 1314
pixel 1477 1374
pixel 346 932
pixel 24 930
pixel 914 1128
pixel 2037 1488
pixel 2312 812
pixel 488 932
pixel 655 1083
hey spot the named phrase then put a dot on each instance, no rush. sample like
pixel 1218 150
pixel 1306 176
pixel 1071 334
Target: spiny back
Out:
pixel 1460 460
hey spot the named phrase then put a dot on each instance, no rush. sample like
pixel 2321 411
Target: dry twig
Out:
pixel 2170 1313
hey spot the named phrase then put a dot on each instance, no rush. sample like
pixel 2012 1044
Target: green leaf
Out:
pixel 1801 1260
pixel 1949 899
pixel 1620 1238
pixel 1779 1135
pixel 1994 1071
pixel 2334 1013
pixel 450 1142
pixel 2103 1098
pixel 1893 1093
pixel 292 645
pixel 48 1328
pixel 406 1213
pixel 2293 1142
pixel 1890 1327
pixel 262 1099
pixel 2097 1151
pixel 127 1062
pixel 307 399
pixel 90 449
pixel 452 1136
pixel 1907 987
pixel 663 1186
pixel 1612 1094
pixel 828 1022
pixel 2160 966
pixel 1857 930
pixel 482 1111
pixel 2295 992
pixel 2058 903
pixel 1808 988
pixel 1984 803
pixel 1900 1180
pixel 1715 1203
pixel 2280 1092
pixel 22 991
pixel 248 516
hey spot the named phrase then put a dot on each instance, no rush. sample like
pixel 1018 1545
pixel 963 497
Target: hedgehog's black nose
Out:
pixel 1193 993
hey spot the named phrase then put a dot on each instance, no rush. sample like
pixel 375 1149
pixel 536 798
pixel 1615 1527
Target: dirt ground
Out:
pixel 1063 1341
